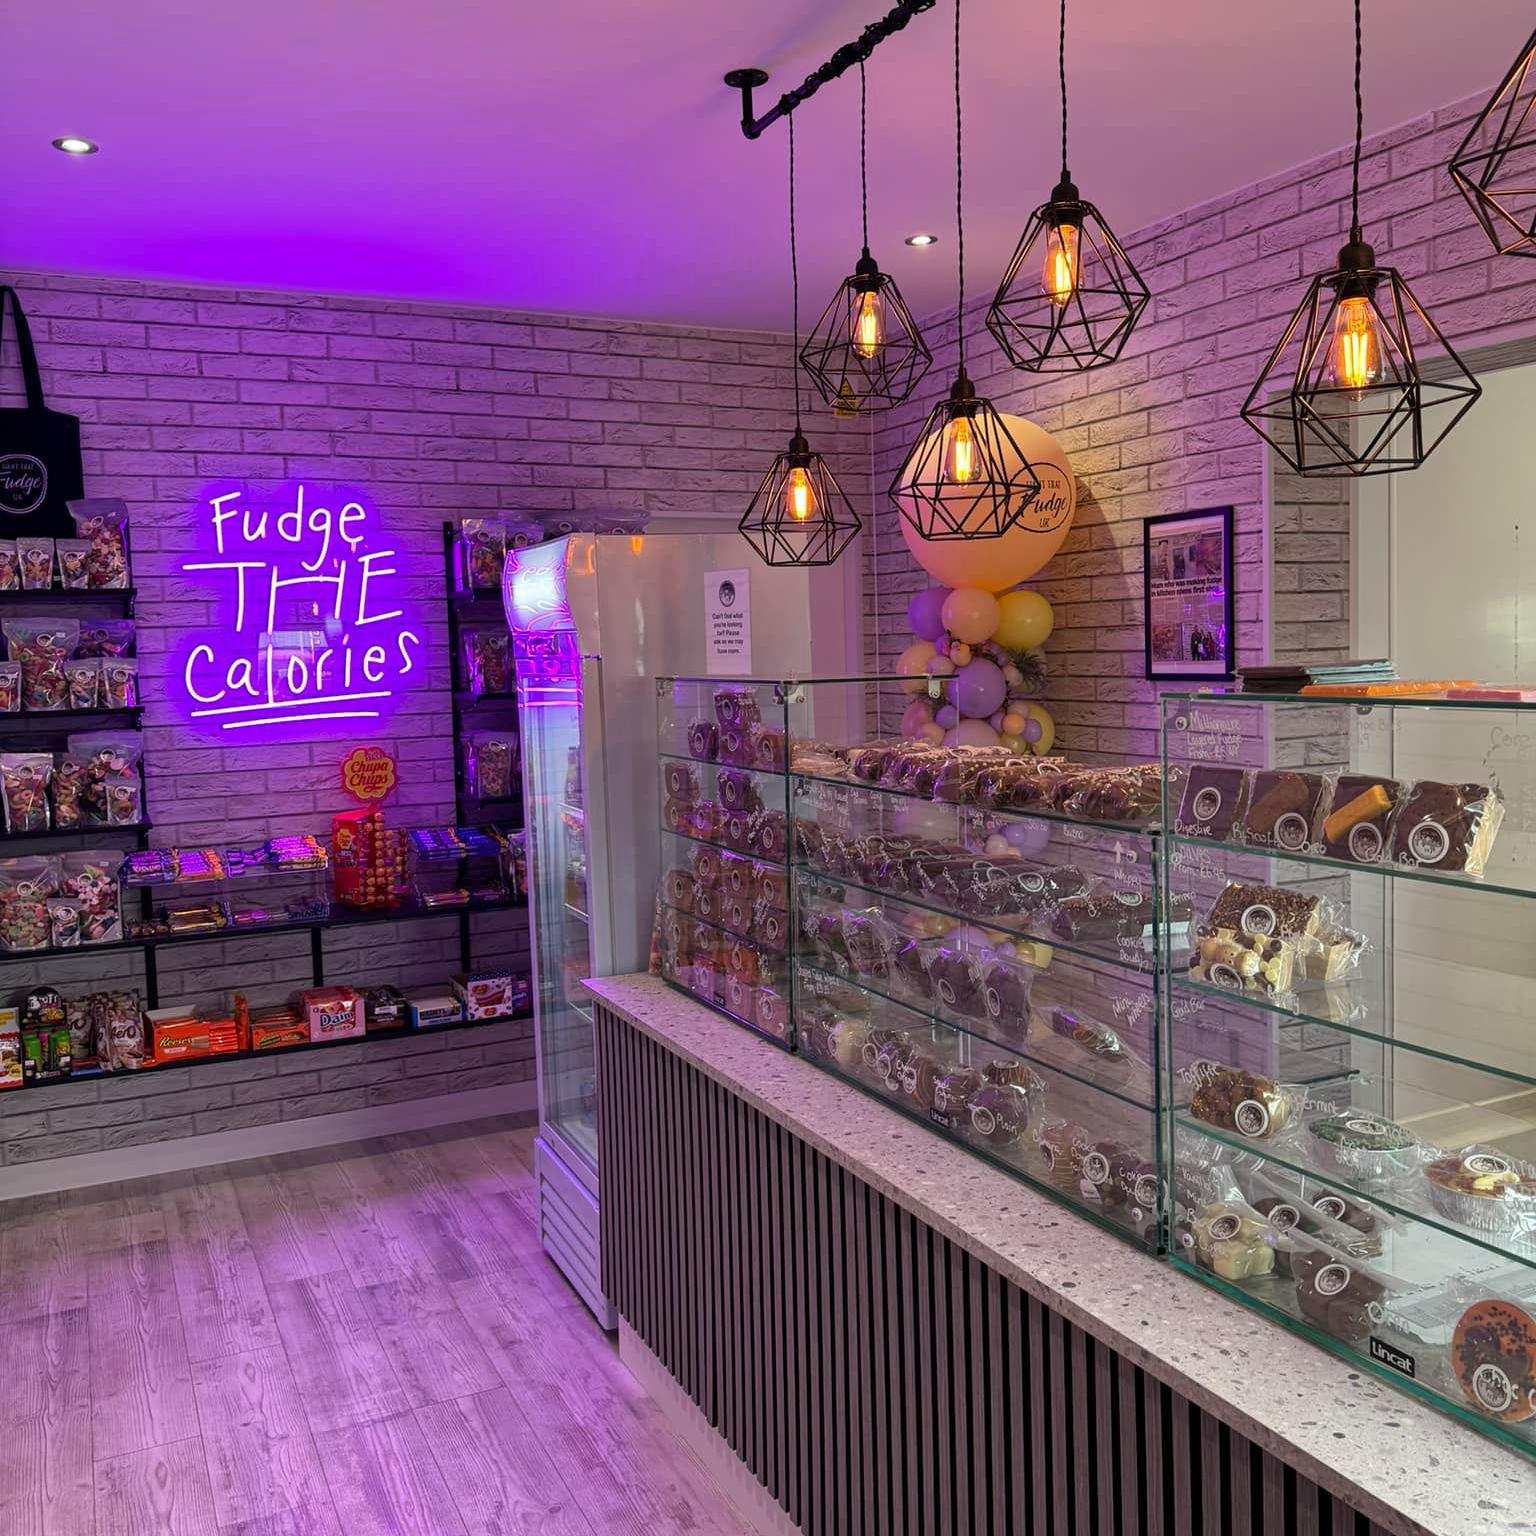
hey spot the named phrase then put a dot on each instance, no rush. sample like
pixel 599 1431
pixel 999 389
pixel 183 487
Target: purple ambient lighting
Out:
pixel 305 623
pixel 533 588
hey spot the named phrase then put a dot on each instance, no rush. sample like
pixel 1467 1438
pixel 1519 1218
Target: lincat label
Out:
pixel 1385 1354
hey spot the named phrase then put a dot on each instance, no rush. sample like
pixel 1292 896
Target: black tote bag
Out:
pixel 39 449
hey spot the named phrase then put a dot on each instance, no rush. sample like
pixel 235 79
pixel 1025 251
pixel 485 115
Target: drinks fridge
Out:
pixel 596 619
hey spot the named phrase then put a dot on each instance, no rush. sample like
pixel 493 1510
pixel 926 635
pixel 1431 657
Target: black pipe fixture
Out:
pixel 866 352
pixel 1358 399
pixel 799 515
pixel 747 80
pixel 965 477
pixel 1495 168
pixel 1071 296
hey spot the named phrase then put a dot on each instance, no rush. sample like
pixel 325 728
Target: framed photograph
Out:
pixel 1187 573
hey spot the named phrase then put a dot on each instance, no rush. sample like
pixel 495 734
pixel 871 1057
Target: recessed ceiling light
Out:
pixel 922 240
pixel 71 145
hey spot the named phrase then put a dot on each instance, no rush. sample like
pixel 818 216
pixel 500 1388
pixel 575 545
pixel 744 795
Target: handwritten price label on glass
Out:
pixel 369 773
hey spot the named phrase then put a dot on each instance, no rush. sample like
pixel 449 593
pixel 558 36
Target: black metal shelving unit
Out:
pixel 477 711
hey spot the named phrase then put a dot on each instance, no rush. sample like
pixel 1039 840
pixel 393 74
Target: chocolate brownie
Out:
pixel 1211 803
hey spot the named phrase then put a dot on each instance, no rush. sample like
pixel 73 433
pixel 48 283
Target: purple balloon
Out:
pixel 1030 838
pixel 925 613
pixel 947 716
pixel 1033 730
pixel 977 689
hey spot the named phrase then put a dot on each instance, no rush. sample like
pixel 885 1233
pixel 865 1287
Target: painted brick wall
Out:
pixel 1159 431
pixel 434 412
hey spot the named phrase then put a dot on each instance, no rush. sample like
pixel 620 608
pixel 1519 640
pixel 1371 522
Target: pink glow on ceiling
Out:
pixel 583 157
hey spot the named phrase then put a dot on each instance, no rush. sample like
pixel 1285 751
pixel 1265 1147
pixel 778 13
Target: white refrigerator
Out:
pixel 596 619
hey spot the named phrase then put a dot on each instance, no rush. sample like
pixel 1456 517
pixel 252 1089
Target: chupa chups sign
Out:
pixel 369 773
pixel 308 621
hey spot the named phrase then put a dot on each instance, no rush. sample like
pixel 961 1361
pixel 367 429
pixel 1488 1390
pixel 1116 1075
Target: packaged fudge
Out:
pixel 1446 827
pixel 1231 1244
pixel 1284 809
pixel 1232 1099
pixel 1212 802
pixel 1336 1296
pixel 1355 828
pixel 1264 911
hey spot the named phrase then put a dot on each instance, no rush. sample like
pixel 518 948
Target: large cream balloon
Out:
pixel 994 565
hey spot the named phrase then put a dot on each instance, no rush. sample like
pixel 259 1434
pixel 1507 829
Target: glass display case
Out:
pixel 974 939
pixel 723 904
pixel 1352 1136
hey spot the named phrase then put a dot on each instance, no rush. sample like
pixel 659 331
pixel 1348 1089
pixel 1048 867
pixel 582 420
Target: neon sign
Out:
pixel 307 619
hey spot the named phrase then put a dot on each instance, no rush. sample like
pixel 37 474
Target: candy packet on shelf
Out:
pixel 487 657
pixel 91 877
pixel 105 637
pixel 119 685
pixel 83 678
pixel 492 765
pixel 103 520
pixel 73 556
pixel 42 646
pixel 26 886
pixel 10 566
pixel 482 546
pixel 10 687
pixel 111 764
pixel 24 780
pixel 35 556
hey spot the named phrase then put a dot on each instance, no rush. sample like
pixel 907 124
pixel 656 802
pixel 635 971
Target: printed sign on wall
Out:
pixel 307 617
pixel 727 622
pixel 369 773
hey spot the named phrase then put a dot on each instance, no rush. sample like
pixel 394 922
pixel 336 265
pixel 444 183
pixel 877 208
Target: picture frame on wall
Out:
pixel 1187 598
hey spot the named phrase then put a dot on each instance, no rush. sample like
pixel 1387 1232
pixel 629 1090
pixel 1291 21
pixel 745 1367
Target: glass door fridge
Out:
pixel 595 619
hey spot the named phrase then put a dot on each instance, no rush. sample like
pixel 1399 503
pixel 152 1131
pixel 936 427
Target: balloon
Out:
pixel 1032 731
pixel 977 689
pixel 994 565
pixel 913 664
pixel 1047 738
pixel 933 734
pixel 958 652
pixel 925 612
pixel 919 713
pixel 995 719
pixel 971 733
pixel 1011 740
pixel 970 614
pixel 1026 621
pixel 1029 838
pixel 1013 723
pixel 947 716
pixel 941 666
pixel 997 845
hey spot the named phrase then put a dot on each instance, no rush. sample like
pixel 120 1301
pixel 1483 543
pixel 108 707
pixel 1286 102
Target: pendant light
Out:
pixel 1071 295
pixel 1358 399
pixel 866 352
pixel 1496 164
pixel 965 477
pixel 799 515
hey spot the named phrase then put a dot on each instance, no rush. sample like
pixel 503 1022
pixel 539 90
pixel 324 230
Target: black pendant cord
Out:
pixel 1354 193
pixel 959 208
pixel 1061 65
pixel 794 278
pixel 863 162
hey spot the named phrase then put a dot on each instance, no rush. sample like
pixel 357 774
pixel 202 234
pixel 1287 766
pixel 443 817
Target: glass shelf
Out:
pixel 1324 701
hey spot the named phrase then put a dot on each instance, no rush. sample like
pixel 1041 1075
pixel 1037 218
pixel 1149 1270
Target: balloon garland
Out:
pixel 975 667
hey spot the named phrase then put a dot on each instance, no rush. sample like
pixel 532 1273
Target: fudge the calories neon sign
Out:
pixel 309 622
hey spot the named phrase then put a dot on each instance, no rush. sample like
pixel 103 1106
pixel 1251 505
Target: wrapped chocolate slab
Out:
pixel 956 779
pixel 1132 794
pixel 1212 802
pixel 1355 828
pixel 1448 828
pixel 1285 810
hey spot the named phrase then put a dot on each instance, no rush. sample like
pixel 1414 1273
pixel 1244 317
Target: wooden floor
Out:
pixel 362 1342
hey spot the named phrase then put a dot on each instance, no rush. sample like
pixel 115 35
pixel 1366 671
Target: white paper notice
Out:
pixel 728 622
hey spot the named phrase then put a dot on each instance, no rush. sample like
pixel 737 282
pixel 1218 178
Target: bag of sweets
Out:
pixel 112 788
pixel 68 790
pixel 10 687
pixel 119 682
pixel 24 780
pixel 105 637
pixel 104 521
pixel 26 885
pixel 35 557
pixel 42 646
pixel 91 878
pixel 82 675
pixel 10 566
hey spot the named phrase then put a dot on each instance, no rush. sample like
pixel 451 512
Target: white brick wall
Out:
pixel 434 412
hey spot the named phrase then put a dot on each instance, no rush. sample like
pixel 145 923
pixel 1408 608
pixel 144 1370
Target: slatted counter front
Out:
pixel 879 1376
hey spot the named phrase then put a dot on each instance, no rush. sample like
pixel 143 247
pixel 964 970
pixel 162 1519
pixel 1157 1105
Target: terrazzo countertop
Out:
pixel 1407 1467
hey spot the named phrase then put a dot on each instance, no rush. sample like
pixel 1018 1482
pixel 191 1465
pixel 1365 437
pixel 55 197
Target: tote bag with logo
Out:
pixel 39 449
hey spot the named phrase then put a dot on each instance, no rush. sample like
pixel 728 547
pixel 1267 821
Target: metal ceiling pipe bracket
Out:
pixel 746 80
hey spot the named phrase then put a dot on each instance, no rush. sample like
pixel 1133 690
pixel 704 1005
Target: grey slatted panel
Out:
pixel 874 1376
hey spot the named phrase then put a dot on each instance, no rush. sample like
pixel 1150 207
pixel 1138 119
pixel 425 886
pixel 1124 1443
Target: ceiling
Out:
pixel 583 157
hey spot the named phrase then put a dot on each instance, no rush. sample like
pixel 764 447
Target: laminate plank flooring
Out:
pixel 364 1339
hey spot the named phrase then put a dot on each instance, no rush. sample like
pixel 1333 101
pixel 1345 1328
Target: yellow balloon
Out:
pixel 1026 621
pixel 994 565
pixel 1047 730
pixel 970 615
pixel 913 664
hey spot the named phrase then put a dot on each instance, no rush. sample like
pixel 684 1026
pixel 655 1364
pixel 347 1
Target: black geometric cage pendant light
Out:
pixel 866 352
pixel 799 515
pixel 1071 296
pixel 1495 168
pixel 1356 396
pixel 965 477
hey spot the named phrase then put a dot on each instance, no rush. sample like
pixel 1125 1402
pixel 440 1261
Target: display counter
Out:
pixel 894 1335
